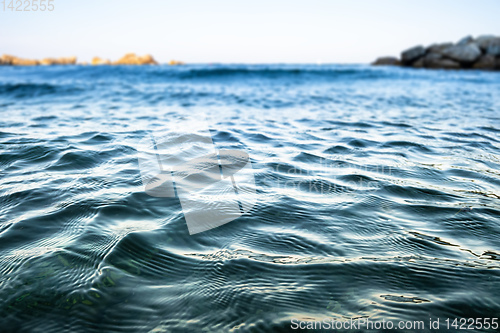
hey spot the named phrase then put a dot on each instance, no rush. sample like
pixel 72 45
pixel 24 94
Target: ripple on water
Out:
pixel 377 198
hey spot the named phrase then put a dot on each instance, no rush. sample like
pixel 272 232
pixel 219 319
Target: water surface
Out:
pixel 378 197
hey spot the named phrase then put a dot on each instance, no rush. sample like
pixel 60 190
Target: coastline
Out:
pixel 481 53
pixel 127 59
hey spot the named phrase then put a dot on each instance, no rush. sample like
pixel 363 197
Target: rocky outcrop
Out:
pixel 16 61
pixel 466 40
pixel 442 63
pixel 59 61
pixel 480 53
pixel 175 62
pixel 48 61
pixel 133 59
pixel 438 48
pixel 10 60
pixel 486 61
pixel 411 55
pixel 493 47
pixel 99 61
pixel 67 61
pixel 128 59
pixel 382 61
pixel 6 60
pixel 419 63
pixel 463 53
pixel 484 41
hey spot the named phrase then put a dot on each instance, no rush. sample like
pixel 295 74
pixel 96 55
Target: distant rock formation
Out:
pixel 480 53
pixel 133 59
pixel 127 59
pixel 390 61
pixel 59 61
pixel 99 61
pixel 10 60
pixel 175 62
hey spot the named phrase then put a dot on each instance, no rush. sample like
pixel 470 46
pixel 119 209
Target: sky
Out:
pixel 232 31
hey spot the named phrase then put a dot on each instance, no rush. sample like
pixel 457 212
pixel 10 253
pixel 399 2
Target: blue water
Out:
pixel 378 197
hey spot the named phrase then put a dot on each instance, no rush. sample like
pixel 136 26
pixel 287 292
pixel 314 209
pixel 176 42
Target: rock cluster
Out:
pixel 59 61
pixel 99 61
pixel 10 60
pixel 175 62
pixel 133 59
pixel 482 52
pixel 128 59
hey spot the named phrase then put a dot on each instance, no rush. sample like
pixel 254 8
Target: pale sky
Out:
pixel 252 31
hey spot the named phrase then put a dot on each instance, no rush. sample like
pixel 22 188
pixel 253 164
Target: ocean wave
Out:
pixel 30 90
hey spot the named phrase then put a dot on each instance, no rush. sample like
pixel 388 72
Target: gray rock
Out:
pixel 485 62
pixel 387 61
pixel 466 40
pixel 463 53
pixel 494 47
pixel 430 58
pixel 438 48
pixel 483 41
pixel 442 64
pixel 410 55
pixel 418 63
